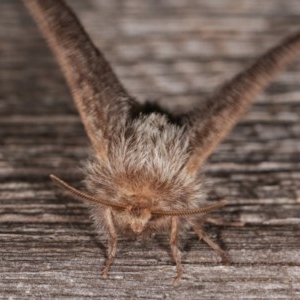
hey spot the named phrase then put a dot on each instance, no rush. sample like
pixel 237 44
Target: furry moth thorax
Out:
pixel 144 176
pixel 145 170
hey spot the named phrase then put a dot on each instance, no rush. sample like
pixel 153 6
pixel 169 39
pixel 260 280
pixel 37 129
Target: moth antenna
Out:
pixel 190 212
pixel 99 96
pixel 83 196
pixel 222 110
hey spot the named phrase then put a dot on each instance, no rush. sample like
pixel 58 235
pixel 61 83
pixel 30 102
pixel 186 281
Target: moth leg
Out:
pixel 112 249
pixel 174 248
pixel 202 236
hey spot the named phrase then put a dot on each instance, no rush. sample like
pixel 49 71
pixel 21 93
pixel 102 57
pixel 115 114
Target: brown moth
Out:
pixel 144 175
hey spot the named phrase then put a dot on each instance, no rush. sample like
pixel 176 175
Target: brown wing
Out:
pixel 213 121
pixel 98 94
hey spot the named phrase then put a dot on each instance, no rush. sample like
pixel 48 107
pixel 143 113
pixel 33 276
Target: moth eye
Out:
pixel 155 217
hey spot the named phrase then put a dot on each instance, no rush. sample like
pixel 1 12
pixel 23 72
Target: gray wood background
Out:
pixel 175 51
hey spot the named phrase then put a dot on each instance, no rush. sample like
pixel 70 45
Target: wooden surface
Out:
pixel 175 51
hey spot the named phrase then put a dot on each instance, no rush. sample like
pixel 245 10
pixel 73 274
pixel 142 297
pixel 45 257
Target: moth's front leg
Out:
pixel 112 249
pixel 174 248
pixel 202 236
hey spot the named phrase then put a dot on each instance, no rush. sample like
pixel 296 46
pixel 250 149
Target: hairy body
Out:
pixel 145 168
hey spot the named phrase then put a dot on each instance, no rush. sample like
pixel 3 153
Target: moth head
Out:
pixel 138 217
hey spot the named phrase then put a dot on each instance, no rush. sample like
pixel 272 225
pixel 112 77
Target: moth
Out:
pixel 144 175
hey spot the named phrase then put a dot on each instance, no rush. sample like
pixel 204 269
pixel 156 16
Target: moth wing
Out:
pixel 212 121
pixel 99 96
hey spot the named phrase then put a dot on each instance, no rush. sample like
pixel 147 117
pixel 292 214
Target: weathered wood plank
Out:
pixel 176 51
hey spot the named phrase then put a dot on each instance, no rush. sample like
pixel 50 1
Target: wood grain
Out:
pixel 177 52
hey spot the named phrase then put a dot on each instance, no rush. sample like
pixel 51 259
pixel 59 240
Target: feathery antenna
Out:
pixel 191 212
pixel 83 196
